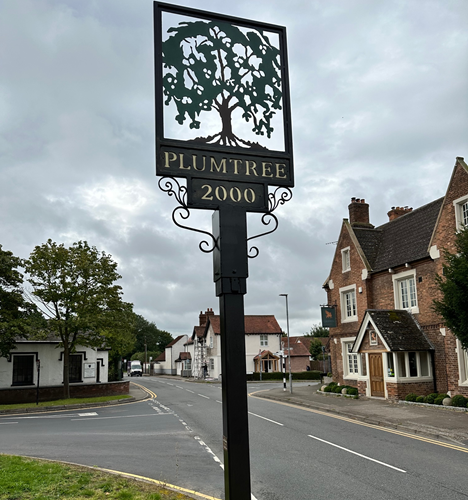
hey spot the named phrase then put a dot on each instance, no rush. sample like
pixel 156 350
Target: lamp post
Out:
pixel 289 347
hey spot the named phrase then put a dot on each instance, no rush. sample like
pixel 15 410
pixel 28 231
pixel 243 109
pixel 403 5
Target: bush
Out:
pixel 438 400
pixel 420 399
pixel 352 391
pixel 430 398
pixel 338 389
pixel 411 397
pixel 328 389
pixel 459 401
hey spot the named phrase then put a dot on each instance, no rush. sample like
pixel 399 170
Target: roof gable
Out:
pixel 397 328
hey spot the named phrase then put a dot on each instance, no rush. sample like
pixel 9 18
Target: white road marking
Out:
pixel 204 396
pixel 220 402
pixel 178 387
pixel 122 416
pixel 264 418
pixel 358 454
pixel 90 414
pixel 6 423
pixel 188 390
pixel 168 383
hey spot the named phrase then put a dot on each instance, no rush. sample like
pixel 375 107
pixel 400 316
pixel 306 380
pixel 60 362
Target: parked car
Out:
pixel 135 369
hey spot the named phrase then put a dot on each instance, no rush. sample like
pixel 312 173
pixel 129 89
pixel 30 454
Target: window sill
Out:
pixel 352 319
pixel 408 380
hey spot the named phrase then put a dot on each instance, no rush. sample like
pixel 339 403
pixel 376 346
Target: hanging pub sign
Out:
pixel 328 316
pixel 223 118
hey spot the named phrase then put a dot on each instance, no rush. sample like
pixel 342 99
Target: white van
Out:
pixel 135 369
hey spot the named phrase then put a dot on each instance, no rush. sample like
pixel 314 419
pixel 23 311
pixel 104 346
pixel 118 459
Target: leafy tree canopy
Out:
pixel 316 349
pixel 318 331
pixel 453 284
pixel 215 65
pixel 16 314
pixel 75 289
pixel 146 332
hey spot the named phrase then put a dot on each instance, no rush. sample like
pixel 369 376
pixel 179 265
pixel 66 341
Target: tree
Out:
pixel 215 65
pixel 318 331
pixel 15 311
pixel 453 284
pixel 148 333
pixel 75 288
pixel 316 349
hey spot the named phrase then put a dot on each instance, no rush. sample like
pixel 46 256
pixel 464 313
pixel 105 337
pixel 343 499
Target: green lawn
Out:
pixel 25 479
pixel 60 402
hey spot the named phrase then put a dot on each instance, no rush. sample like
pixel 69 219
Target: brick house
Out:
pixel 388 341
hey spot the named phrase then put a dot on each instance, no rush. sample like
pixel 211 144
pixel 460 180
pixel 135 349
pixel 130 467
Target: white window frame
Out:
pixel 346 259
pixel 419 378
pixel 264 340
pixel 211 342
pixel 355 358
pixel 397 280
pixel 344 291
pixel 462 355
pixel 460 212
pixel 211 366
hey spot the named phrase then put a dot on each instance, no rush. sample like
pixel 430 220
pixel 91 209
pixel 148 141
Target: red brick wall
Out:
pixel 400 391
pixel 28 395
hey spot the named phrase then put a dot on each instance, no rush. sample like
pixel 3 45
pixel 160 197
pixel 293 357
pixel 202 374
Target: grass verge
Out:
pixel 27 478
pixel 61 402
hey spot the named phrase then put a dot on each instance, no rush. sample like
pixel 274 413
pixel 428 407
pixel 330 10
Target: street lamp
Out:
pixel 289 347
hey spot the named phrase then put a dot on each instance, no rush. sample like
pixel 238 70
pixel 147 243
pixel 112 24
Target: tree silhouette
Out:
pixel 215 65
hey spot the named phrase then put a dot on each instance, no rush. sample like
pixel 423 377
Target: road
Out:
pixel 296 453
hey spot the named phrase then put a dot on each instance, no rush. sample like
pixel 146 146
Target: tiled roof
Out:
pixel 405 239
pixel 175 341
pixel 254 325
pixel 267 354
pixel 183 356
pixel 198 331
pixel 400 330
pixel 161 357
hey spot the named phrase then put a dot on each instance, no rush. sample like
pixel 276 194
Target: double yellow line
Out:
pixel 372 426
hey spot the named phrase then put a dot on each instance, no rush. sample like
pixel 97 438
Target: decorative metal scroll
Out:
pixel 274 202
pixel 172 187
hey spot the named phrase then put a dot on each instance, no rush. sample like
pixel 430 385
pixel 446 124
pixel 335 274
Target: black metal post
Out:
pixel 230 276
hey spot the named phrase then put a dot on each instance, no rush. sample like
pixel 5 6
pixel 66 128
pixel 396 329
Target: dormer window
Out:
pixel 461 212
pixel 345 259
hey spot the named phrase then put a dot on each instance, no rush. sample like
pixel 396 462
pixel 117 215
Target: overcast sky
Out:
pixel 379 106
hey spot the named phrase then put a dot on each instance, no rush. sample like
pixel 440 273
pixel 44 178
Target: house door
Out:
pixel 376 375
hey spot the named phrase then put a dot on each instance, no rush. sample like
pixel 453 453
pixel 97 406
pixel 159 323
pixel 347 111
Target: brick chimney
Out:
pixel 359 213
pixel 204 316
pixel 396 212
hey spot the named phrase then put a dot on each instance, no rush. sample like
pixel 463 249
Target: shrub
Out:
pixel 411 397
pixel 438 400
pixel 328 389
pixel 430 398
pixel 459 401
pixel 337 389
pixel 353 391
pixel 420 399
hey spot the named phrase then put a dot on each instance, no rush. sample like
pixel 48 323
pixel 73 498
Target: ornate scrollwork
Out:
pixel 172 187
pixel 274 202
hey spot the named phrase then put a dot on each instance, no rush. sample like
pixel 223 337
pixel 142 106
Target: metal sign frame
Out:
pixel 223 166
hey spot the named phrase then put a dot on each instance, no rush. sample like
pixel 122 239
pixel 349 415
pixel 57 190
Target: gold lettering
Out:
pixel 195 163
pixel 266 169
pixel 236 165
pixel 181 159
pixel 280 170
pixel 217 167
pixel 250 164
pixel 168 160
